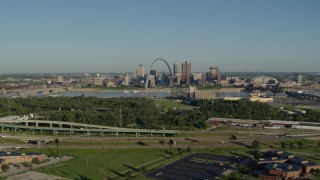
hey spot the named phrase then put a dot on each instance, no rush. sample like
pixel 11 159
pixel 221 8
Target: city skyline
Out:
pixel 112 36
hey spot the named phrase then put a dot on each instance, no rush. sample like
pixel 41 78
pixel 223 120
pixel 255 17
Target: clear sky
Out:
pixel 118 35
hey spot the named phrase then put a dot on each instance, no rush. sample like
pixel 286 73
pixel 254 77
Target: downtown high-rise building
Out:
pixel 213 76
pixel 140 70
pixel 298 79
pixel 213 72
pixel 175 69
pixel 186 72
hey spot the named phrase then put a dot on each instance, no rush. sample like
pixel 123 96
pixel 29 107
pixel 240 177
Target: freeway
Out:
pixel 14 123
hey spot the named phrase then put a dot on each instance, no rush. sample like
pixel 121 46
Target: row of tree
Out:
pixel 245 109
pixel 143 113
pixel 122 112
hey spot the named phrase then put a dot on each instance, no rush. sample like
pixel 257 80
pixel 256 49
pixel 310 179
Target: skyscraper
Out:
pixel 213 76
pixel 214 71
pixel 175 69
pixel 60 79
pixel 298 79
pixel 186 71
pixel 126 80
pixel 140 70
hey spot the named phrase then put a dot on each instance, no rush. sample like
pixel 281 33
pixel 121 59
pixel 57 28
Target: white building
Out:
pixel 140 70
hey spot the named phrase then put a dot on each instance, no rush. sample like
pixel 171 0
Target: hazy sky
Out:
pixel 118 35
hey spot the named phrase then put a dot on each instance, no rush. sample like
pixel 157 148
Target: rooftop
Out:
pixel 283 167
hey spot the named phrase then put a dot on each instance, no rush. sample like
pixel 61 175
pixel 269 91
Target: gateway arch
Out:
pixel 148 76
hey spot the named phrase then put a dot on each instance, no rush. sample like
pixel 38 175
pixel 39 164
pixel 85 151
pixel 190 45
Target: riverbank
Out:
pixel 152 90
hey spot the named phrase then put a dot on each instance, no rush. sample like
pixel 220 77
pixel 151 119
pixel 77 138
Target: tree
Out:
pixel 231 139
pixel 5 167
pixel 171 142
pixel 300 144
pixel 255 144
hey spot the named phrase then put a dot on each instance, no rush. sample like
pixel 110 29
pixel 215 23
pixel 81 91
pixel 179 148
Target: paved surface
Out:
pixel 13 170
pixel 194 166
pixel 34 176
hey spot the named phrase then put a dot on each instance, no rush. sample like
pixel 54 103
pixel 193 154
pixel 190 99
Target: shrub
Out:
pixel 258 154
pixel 189 149
pixel 5 167
pixel 27 164
pixel 36 160
pixel 143 169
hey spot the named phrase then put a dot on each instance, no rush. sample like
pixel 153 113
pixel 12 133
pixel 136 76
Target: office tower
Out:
pixel 298 79
pixel 60 78
pixel 213 76
pixel 153 72
pixel 175 69
pixel 126 80
pixel 152 80
pixel 140 70
pixel 186 71
pixel 214 71
pixel 219 78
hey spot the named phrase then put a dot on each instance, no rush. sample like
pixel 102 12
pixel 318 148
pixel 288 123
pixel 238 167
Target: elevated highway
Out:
pixel 56 127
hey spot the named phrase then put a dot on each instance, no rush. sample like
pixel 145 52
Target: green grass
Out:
pixel 102 163
pixel 170 104
pixel 98 163
pixel 11 141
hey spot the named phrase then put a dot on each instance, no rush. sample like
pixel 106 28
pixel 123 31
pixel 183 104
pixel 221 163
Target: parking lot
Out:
pixel 195 166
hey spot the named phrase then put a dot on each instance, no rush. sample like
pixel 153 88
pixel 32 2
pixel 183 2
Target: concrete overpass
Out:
pixel 56 127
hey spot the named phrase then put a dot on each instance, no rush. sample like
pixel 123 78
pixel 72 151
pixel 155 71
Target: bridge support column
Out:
pixel 117 134
pixel 164 135
pixel 50 124
pixel 41 131
pixel 70 133
pixel 27 124
pixel 136 134
pixel 150 134
pixel 88 133
pixel 1 128
pixel 37 124
pixel 60 125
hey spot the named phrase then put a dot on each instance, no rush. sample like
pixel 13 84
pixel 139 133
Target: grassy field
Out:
pixel 98 163
pixel 170 104
pixel 113 163
pixel 10 141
